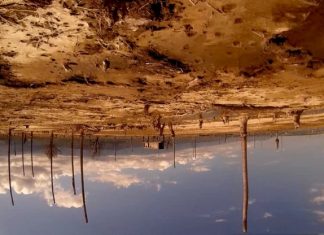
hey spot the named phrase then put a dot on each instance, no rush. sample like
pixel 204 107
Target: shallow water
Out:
pixel 144 191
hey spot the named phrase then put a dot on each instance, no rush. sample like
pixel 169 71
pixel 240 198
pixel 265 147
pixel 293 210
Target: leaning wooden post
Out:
pixel 82 178
pixel 243 133
pixel 9 167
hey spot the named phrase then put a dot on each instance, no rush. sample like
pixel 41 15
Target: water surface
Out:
pixel 132 190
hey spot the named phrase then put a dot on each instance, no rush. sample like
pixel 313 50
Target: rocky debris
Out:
pixel 152 9
pixel 296 114
pixel 9 54
pixel 81 79
pixel 40 3
pixel 68 66
pixel 8 79
pixel 314 64
pixel 254 71
pixel 225 119
pixel 278 39
pixel 5 70
pixel 15 83
pixel 146 109
pixel 189 30
pixel 105 65
pixel 226 8
pixel 174 63
pixel 141 81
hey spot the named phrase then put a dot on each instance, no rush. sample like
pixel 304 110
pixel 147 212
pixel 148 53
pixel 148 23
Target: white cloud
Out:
pixel 318 199
pixel 102 170
pixel 220 220
pixel 171 182
pixel 318 194
pixel 233 208
pixel 204 216
pixel 232 155
pixel 320 215
pixel 313 190
pixel 252 201
pixel 267 215
pixel 199 169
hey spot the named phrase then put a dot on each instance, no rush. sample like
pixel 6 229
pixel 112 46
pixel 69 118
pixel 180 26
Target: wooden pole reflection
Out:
pixel 72 162
pixel 174 155
pixel 82 178
pixel 194 153
pixel 51 153
pixel 31 153
pixel 115 149
pixel 254 141
pixel 9 168
pixel 22 152
pixel 195 148
pixel 15 149
pixel 277 141
pixel 243 132
pixel 132 143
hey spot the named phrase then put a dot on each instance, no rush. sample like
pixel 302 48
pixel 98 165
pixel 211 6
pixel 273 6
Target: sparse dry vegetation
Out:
pixel 102 61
